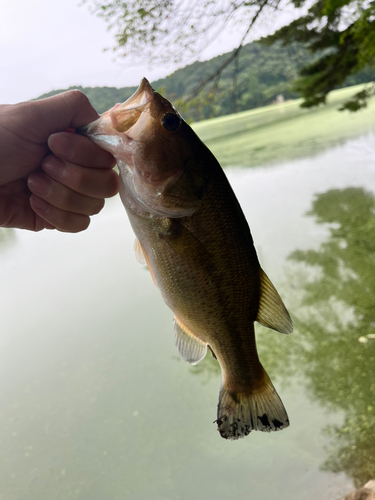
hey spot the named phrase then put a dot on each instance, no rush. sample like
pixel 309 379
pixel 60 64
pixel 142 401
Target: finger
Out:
pixel 96 183
pixel 62 197
pixel 40 223
pixel 15 210
pixel 80 150
pixel 55 218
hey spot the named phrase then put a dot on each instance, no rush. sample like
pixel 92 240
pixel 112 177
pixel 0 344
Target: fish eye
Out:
pixel 170 122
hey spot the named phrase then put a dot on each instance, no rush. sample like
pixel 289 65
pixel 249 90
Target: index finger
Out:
pixel 79 150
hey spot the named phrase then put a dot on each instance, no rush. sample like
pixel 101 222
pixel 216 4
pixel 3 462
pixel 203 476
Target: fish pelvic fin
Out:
pixel 141 257
pixel 240 413
pixel 189 347
pixel 139 253
pixel 272 313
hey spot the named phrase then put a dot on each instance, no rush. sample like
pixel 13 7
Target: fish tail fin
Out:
pixel 260 409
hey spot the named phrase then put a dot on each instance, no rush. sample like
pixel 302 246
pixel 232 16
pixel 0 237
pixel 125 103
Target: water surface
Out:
pixel 95 403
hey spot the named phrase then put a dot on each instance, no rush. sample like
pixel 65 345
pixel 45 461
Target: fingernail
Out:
pixel 39 204
pixel 62 144
pixel 39 184
pixel 53 166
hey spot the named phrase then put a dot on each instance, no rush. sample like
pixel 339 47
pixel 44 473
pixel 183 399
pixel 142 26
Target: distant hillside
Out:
pixel 263 74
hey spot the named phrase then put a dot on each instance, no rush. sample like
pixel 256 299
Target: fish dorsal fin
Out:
pixel 189 347
pixel 139 254
pixel 272 313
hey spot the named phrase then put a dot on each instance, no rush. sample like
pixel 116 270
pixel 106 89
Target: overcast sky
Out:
pixel 50 44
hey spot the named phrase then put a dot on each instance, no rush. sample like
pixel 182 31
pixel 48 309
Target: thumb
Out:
pixel 69 109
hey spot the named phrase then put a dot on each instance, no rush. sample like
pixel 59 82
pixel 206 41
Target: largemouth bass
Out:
pixel 194 237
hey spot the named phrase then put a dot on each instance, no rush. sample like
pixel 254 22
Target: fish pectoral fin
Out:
pixel 189 347
pixel 272 313
pixel 139 253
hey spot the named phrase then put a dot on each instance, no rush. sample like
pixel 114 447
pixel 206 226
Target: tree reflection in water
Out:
pixel 339 325
pixel 333 343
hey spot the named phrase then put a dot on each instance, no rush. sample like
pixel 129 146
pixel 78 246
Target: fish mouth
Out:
pixel 122 118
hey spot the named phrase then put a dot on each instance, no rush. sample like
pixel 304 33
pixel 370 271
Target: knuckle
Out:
pixel 67 199
pixel 80 180
pixel 65 221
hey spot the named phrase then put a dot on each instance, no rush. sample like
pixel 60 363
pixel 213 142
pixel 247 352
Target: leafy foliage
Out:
pixel 172 29
pixel 340 33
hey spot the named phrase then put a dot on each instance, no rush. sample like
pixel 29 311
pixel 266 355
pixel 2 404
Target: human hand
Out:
pixel 49 178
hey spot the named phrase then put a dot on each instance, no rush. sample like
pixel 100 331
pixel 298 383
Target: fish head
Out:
pixel 156 151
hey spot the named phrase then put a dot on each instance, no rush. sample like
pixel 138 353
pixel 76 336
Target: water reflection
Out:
pixel 7 237
pixel 338 324
pixel 332 349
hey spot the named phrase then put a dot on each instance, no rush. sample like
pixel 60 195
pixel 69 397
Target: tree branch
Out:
pixel 232 57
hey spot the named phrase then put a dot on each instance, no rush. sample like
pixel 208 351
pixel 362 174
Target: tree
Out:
pixel 340 33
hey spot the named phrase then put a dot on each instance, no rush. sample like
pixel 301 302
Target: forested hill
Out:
pixel 263 73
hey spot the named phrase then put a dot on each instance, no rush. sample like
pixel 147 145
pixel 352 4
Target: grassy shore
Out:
pixel 283 131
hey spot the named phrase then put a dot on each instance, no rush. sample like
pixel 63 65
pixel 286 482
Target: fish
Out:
pixel 192 234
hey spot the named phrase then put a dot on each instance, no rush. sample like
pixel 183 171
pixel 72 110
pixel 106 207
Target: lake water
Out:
pixel 95 403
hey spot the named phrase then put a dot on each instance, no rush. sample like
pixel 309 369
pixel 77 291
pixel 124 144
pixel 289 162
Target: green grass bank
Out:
pixel 284 131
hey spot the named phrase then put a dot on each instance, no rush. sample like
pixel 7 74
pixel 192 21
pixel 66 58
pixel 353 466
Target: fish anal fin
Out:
pixel 272 313
pixel 139 253
pixel 189 347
